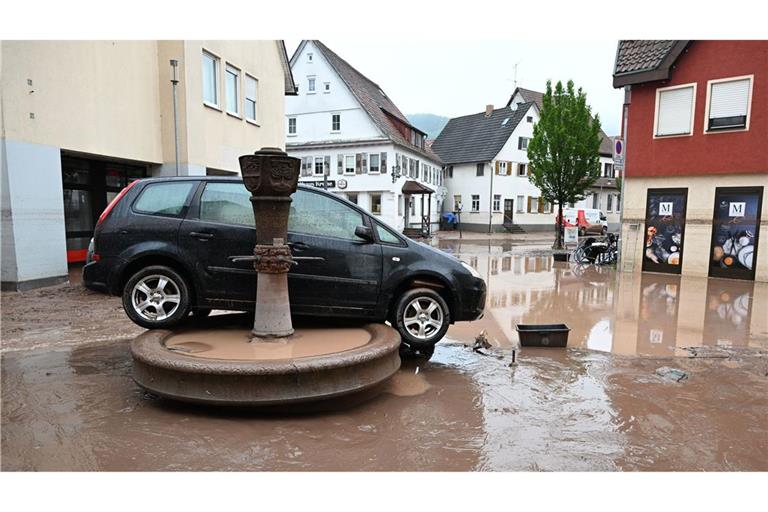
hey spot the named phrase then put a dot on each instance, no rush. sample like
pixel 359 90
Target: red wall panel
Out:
pixel 700 154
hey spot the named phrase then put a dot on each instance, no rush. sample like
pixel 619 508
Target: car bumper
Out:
pixel 473 301
pixel 95 277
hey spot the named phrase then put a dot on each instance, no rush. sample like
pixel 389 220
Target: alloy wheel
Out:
pixel 423 317
pixel 155 297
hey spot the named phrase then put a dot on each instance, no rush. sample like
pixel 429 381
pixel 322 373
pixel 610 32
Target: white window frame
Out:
pixel 496 203
pixel 475 199
pixel 379 195
pixel 236 72
pixel 335 130
pixel 295 126
pixel 311 79
pixel 656 111
pixel 521 204
pixel 525 167
pixel 751 79
pixel 378 166
pixel 255 100
pixel 322 166
pixel 216 80
pixel 347 170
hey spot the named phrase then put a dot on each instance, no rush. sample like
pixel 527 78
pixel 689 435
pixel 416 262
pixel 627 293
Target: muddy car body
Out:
pixel 168 246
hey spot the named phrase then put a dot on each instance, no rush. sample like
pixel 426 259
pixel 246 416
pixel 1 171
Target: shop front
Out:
pixel 89 185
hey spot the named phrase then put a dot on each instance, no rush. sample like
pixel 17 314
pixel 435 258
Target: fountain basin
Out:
pixel 216 367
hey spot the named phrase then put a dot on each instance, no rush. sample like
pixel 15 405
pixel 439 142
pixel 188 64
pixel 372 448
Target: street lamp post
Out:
pixel 175 82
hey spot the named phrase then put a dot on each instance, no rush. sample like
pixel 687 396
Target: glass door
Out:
pixel 735 232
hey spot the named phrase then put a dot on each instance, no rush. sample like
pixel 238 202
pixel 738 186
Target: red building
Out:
pixel 696 168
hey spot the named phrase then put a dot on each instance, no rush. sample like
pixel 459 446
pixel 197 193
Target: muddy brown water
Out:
pixel 598 405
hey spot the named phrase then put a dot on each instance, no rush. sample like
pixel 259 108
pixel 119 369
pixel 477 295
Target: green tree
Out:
pixel 564 153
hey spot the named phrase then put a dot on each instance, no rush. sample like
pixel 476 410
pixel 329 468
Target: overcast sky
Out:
pixel 454 78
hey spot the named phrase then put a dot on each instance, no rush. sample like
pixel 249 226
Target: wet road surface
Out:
pixel 599 405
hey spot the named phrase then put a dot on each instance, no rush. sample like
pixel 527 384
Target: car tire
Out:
pixel 156 297
pixel 422 318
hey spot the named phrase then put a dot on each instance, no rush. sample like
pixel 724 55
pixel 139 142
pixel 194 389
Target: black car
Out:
pixel 165 245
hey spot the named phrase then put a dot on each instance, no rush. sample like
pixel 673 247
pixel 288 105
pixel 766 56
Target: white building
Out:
pixel 486 161
pixel 353 139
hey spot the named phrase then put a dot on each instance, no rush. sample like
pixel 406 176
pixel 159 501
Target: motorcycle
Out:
pixel 598 252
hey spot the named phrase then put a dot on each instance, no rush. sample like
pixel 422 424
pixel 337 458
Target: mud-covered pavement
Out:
pixel 599 405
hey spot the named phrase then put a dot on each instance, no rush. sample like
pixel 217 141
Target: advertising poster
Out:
pixel 735 230
pixel 664 230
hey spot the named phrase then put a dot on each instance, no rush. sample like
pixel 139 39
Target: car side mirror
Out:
pixel 364 232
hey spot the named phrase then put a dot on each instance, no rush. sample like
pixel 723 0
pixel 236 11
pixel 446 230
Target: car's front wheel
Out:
pixel 422 318
pixel 156 297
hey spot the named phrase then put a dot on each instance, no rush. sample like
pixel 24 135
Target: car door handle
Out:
pixel 201 236
pixel 299 246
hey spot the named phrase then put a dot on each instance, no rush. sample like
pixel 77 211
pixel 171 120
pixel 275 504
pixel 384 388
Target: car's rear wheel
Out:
pixel 422 318
pixel 156 297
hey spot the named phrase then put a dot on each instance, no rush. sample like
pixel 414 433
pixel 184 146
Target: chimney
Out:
pixel 488 110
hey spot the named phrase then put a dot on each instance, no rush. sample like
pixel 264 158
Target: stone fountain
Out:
pixel 272 364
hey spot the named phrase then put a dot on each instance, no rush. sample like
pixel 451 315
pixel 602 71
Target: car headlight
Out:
pixel 471 269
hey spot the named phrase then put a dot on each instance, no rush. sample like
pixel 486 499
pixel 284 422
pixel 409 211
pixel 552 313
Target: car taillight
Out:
pixel 114 202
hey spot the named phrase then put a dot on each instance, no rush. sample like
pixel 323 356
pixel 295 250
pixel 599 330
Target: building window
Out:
pixel 327 87
pixel 349 164
pixel 233 90
pixel 522 142
pixel 291 126
pixel 522 170
pixel 520 203
pixel 309 57
pixel 729 104
pixel 502 167
pixel 311 85
pixel 475 203
pixel 450 171
pixel 457 202
pixel 319 169
pixel 335 122
pixel 618 203
pixel 413 206
pixel 529 119
pixel 210 79
pixel 533 205
pixel 373 163
pixel 352 197
pixel 547 207
pixel 497 202
pixel 251 90
pixel 609 203
pixel 595 201
pixel 608 170
pixel 674 110
pixel 376 204
pixel 480 169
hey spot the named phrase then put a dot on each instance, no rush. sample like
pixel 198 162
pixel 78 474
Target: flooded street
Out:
pixel 598 405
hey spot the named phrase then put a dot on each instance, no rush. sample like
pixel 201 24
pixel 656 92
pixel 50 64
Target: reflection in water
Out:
pixel 641 313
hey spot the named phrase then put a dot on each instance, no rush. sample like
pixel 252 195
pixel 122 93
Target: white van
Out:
pixel 589 220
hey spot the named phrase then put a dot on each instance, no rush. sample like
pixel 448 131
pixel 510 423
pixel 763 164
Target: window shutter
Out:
pixel 358 163
pixel 541 205
pixel 730 100
pixel 340 164
pixel 675 110
pixel 529 204
pixel 383 163
pixel 327 165
pixel 365 163
pixel 498 167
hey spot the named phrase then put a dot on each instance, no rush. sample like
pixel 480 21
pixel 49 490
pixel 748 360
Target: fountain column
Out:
pixel 271 176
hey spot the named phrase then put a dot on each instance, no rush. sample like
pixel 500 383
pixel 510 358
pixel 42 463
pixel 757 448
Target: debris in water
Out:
pixel 481 341
pixel 675 374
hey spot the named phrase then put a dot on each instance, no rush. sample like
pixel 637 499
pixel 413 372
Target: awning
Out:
pixel 414 187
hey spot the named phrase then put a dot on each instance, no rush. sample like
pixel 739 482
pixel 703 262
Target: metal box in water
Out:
pixel 543 335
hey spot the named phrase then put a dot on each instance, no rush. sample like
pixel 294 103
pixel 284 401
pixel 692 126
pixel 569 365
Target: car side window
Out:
pixel 317 214
pixel 386 235
pixel 227 203
pixel 164 198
